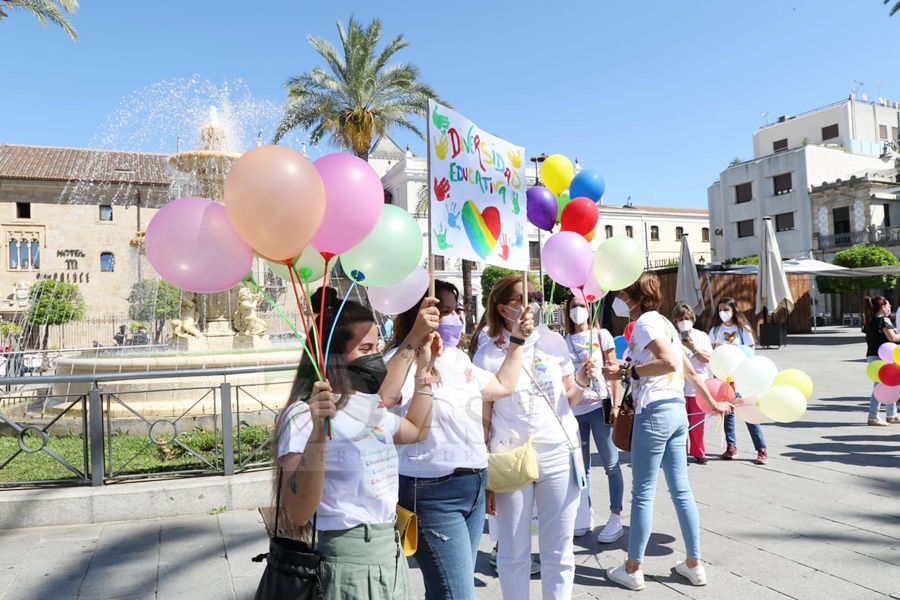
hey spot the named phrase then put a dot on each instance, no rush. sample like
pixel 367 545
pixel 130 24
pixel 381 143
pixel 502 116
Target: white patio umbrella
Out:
pixel 772 291
pixel 687 284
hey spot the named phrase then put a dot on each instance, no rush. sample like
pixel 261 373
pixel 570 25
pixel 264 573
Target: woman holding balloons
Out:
pixel 730 327
pixel 442 478
pixel 879 330
pixel 595 415
pixel 698 347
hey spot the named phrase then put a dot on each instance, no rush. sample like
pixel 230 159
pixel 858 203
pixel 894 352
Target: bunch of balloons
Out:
pixel 760 391
pixel 885 372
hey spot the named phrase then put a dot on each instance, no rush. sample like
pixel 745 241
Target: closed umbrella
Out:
pixel 772 291
pixel 687 286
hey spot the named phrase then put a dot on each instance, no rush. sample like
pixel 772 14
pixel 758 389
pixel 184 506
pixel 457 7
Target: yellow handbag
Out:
pixel 513 470
pixel 408 526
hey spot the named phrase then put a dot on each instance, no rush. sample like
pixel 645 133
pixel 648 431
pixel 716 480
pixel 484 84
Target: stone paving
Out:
pixel 820 521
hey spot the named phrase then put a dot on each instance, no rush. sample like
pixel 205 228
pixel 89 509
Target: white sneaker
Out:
pixel 611 531
pixel 696 575
pixel 632 581
pixel 581 532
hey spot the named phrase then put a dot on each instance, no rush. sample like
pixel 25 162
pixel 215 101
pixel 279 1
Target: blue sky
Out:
pixel 657 96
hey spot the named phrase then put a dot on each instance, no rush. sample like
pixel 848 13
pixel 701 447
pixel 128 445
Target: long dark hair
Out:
pixel 738 317
pixel 403 323
pixel 871 305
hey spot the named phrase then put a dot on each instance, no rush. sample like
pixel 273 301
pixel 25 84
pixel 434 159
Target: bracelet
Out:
pixel 516 340
pixel 423 392
pixel 428 380
pixel 583 388
pixel 634 373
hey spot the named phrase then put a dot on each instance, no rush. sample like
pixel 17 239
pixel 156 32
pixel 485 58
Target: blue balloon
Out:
pixel 587 184
pixel 748 350
pixel 621 345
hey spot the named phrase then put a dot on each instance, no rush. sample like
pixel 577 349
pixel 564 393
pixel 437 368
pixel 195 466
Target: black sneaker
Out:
pixel 701 460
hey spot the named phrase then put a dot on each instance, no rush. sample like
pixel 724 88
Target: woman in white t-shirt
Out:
pixel 595 415
pixel 731 327
pixel 541 406
pixel 698 349
pixel 348 484
pixel 657 369
pixel 442 478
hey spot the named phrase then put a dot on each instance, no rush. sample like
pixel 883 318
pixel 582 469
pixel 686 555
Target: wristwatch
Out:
pixel 634 374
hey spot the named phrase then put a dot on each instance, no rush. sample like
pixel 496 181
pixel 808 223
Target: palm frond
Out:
pixel 50 10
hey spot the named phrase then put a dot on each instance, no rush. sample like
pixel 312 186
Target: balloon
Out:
pixel 895 355
pixel 397 298
pixel 782 403
pixel 748 350
pixel 795 378
pixel 193 245
pixel 354 200
pixel 889 374
pixel 588 183
pixel 618 262
pixel 275 200
pixel 724 360
pixel 720 390
pixel 557 172
pixel 754 376
pixel 580 215
pixel 621 346
pixel 628 329
pixel 561 201
pixel 541 207
pixel 592 291
pixel 886 352
pixel 389 253
pixel 751 413
pixel 886 394
pixel 308 267
pixel 566 257
pixel 872 369
pixel 590 235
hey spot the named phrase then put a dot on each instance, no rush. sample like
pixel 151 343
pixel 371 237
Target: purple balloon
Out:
pixel 541 207
pixel 193 245
pixel 403 295
pixel 567 258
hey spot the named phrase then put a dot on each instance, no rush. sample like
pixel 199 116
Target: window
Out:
pixel 534 253
pixel 745 228
pixel 35 254
pixel 107 261
pixel 629 231
pixel 105 213
pixel 841 217
pixel 780 145
pixel 887 215
pixel 13 254
pixel 784 221
pixel 882 132
pixel 679 232
pixel 782 183
pixel 609 231
pixel 24 254
pixel 654 233
pixel 743 192
pixel 23 210
pixel 830 132
pixel 895 134
pixel 439 263
pixel 704 234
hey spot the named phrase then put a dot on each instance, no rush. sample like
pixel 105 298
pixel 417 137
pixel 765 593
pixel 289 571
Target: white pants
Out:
pixel 556 497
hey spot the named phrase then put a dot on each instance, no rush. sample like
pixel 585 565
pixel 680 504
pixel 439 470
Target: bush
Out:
pixel 861 255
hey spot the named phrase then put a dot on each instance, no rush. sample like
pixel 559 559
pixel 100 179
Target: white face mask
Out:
pixel 685 325
pixel 537 313
pixel 579 315
pixel 725 315
pixel 620 307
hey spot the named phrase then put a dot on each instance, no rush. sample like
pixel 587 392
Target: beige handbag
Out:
pixel 513 470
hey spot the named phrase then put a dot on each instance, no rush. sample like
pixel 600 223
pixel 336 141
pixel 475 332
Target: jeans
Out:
pixel 592 423
pixel 556 497
pixel 451 519
pixel 660 439
pixel 890 410
pixel 756 434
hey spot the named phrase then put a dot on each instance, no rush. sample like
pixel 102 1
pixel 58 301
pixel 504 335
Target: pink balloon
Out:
pixel 567 258
pixel 886 352
pixel 193 245
pixel 751 413
pixel 592 291
pixel 886 394
pixel 353 202
pixel 276 200
pixel 403 295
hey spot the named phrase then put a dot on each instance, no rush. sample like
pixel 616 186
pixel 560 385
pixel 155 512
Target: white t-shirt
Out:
pixel 731 334
pixel 599 341
pixel 547 359
pixel 457 434
pixel 702 343
pixel 361 481
pixel 646 390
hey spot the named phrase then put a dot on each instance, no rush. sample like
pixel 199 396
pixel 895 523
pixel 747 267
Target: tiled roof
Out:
pixel 82 164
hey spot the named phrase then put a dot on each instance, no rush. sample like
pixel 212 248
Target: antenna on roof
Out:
pixel 858 89
pixel 765 115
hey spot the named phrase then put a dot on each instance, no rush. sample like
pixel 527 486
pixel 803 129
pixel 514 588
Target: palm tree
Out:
pixel 894 8
pixel 45 10
pixel 362 98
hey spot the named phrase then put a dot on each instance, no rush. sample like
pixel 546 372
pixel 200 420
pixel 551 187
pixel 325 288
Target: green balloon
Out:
pixel 308 267
pixel 561 202
pixel 618 262
pixel 389 253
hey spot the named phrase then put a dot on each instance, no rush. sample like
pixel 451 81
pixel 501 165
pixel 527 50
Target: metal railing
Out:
pixel 105 435
pixel 879 235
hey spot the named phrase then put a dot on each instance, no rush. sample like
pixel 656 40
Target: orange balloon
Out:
pixel 275 199
pixel 589 236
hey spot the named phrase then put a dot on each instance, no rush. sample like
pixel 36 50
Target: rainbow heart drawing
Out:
pixel 482 227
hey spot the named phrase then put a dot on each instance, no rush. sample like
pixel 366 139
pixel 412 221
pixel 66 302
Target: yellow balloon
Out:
pixel 557 173
pixel 795 378
pixel 782 403
pixel 896 355
pixel 872 370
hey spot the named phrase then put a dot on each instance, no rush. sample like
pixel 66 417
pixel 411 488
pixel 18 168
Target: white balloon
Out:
pixel 724 360
pixel 754 376
pixel 403 295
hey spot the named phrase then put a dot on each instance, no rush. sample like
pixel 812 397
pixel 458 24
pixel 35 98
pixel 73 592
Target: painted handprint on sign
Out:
pixel 452 216
pixel 441 189
pixel 441 122
pixel 441 146
pixel 504 247
pixel 515 202
pixel 441 235
pixel 520 235
pixel 515 159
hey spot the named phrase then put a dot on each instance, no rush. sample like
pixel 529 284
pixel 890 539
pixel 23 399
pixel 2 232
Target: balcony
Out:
pixel 875 235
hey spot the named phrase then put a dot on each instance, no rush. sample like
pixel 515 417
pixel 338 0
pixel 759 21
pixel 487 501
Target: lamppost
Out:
pixel 537 160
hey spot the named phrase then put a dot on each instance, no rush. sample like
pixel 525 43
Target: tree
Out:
pixel 53 303
pixel 753 259
pixel 861 255
pixel 894 8
pixel 362 98
pixel 154 301
pixel 491 275
pixel 45 10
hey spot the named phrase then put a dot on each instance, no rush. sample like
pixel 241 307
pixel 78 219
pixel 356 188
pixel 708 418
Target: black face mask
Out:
pixel 367 373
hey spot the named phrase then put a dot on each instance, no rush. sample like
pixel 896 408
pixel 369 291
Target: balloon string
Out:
pixel 708 417
pixel 548 316
pixel 314 331
pixel 294 284
pixel 338 316
pixel 329 427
